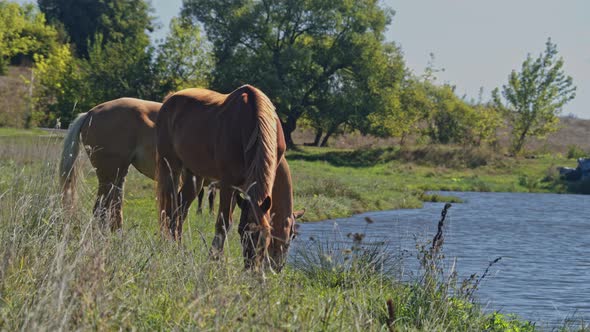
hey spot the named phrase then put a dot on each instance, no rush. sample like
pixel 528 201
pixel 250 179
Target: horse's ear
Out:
pixel 239 200
pixel 298 214
pixel 265 206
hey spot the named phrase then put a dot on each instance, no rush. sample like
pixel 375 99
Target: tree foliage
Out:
pixel 406 108
pixel 294 50
pixel 59 88
pixel 119 69
pixel 184 58
pixel 23 33
pixel 450 118
pixel 66 85
pixel 488 119
pixel 534 97
pixel 116 57
pixel 114 20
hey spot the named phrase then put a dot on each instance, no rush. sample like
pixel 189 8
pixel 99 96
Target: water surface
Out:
pixel 543 239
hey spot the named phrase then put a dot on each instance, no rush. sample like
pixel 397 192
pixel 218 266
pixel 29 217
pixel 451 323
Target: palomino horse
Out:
pixel 115 134
pixel 282 217
pixel 236 139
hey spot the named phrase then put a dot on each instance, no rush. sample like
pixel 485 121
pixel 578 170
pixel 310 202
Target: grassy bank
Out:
pixel 60 271
pixel 338 182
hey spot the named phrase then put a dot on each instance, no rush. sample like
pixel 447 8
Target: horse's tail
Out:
pixel 67 169
pixel 166 176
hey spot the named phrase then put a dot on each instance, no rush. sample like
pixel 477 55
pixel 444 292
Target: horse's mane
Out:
pixel 170 94
pixel 261 149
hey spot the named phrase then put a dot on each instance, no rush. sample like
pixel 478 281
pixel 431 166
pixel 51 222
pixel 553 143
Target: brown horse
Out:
pixel 236 139
pixel 115 134
pixel 282 217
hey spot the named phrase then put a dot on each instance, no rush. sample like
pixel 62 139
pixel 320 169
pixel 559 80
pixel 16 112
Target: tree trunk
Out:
pixel 519 144
pixel 288 128
pixel 328 134
pixel 318 136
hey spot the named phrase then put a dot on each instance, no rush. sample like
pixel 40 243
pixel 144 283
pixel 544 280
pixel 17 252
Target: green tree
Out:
pixel 119 69
pixel 60 88
pixel 66 85
pixel 352 95
pixel 114 20
pixel 450 120
pixel 535 96
pixel 23 33
pixel 292 49
pixel 407 107
pixel 184 58
pixel 488 118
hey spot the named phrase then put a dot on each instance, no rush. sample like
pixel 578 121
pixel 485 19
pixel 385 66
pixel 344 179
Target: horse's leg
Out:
pixel 168 174
pixel 224 220
pixel 117 201
pixel 109 201
pixel 200 201
pixel 191 185
pixel 212 192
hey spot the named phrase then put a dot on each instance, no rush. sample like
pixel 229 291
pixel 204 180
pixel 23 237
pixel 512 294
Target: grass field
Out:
pixel 61 271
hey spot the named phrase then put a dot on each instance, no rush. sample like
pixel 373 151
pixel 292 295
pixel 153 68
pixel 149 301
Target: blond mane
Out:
pixel 261 149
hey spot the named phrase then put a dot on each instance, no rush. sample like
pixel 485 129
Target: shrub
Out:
pixel 575 152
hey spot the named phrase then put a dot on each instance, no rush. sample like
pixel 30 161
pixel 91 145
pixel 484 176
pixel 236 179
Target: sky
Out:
pixel 479 42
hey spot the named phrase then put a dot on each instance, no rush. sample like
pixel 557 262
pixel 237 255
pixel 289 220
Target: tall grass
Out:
pixel 60 270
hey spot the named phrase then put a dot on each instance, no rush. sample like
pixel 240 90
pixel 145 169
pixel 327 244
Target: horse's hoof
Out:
pixel 215 254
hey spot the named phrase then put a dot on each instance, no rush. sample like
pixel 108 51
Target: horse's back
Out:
pixel 195 100
pixel 122 131
pixel 213 133
pixel 190 127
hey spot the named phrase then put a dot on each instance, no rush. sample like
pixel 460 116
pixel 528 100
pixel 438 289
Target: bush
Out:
pixel 575 152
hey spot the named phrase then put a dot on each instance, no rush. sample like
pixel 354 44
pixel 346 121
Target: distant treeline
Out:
pixel 324 64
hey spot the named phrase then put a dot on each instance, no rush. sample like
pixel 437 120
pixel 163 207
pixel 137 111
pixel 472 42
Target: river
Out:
pixel 543 239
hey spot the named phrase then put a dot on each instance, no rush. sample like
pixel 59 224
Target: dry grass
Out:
pixel 14 93
pixel 572 132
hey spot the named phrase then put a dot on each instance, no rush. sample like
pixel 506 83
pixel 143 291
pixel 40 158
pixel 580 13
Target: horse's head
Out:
pixel 254 229
pixel 283 232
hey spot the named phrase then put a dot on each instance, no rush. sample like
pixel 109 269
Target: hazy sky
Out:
pixel 479 42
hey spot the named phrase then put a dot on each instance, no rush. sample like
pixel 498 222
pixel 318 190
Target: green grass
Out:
pixel 14 132
pixel 332 183
pixel 61 271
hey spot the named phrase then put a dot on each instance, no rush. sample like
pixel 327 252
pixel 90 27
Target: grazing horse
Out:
pixel 115 134
pixel 236 139
pixel 282 217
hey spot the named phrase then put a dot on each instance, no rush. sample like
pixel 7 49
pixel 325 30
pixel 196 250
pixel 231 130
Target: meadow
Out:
pixel 63 271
